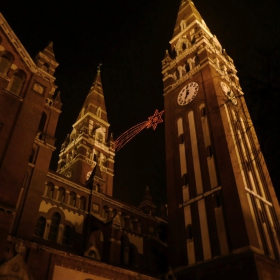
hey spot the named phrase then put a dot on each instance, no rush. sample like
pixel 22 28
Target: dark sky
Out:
pixel 129 37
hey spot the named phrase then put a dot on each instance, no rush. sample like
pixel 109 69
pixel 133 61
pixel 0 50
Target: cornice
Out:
pixel 94 117
pixel 188 29
pixel 58 177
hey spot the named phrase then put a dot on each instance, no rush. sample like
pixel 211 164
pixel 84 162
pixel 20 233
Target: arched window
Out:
pixel 61 194
pixel 54 227
pixel 46 67
pixel 203 111
pixel 99 137
pixel 17 82
pixel 66 235
pixel 6 60
pixel 49 190
pixel 83 203
pixel 41 126
pixel 98 112
pixel 40 227
pixel 72 199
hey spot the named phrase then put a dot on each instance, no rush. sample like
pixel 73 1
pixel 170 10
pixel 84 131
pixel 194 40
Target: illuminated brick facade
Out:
pixel 222 205
pixel 58 225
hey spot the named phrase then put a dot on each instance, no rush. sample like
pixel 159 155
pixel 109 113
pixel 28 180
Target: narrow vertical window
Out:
pixel 50 190
pixel 72 199
pixel 40 227
pixel 61 194
pixel 54 227
pixel 17 82
pixel 6 61
pixel 66 235
pixel 189 233
pixel 209 151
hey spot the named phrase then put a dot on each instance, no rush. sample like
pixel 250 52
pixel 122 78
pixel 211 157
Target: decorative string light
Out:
pixel 152 121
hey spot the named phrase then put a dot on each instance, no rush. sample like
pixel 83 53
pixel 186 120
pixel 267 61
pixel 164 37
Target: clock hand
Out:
pixel 187 93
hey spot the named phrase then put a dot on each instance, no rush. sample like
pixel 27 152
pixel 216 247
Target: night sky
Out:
pixel 129 37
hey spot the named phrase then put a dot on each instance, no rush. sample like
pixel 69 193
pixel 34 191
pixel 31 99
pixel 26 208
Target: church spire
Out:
pixel 187 15
pixel 89 142
pixel 147 205
pixel 46 59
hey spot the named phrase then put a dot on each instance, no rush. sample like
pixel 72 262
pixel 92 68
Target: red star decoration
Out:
pixel 154 120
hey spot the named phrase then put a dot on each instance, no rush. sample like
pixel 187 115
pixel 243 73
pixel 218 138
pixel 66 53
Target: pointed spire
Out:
pixel 48 51
pixel 187 14
pixel 57 97
pixel 97 83
pixel 147 205
pixel 46 59
pixel 57 101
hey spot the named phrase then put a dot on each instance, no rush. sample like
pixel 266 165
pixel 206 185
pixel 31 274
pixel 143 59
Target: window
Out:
pixel 66 235
pixel 41 126
pixel 61 194
pixel 54 227
pixel 32 156
pixel 40 227
pixel 203 112
pixel 16 83
pixel 189 233
pixel 45 67
pixel 6 60
pixel 49 190
pixel 98 112
pixel 72 199
pixel 185 179
pixel 216 200
pixel 38 88
pixel 209 151
pixel 181 139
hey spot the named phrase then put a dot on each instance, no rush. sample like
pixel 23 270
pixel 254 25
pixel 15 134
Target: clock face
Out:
pixel 229 93
pixel 187 93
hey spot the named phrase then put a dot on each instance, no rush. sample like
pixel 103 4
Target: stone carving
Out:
pixel 217 62
pixel 182 41
pixel 191 62
pixel 183 24
pixel 214 41
pixel 20 247
pixel 181 70
pixel 224 69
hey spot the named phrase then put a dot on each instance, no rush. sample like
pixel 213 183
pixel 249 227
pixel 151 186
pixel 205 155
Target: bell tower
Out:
pixel 89 143
pixel 221 203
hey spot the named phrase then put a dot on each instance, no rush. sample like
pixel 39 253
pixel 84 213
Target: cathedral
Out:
pixel 223 214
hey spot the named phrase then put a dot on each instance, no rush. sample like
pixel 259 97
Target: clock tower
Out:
pixel 89 143
pixel 221 203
